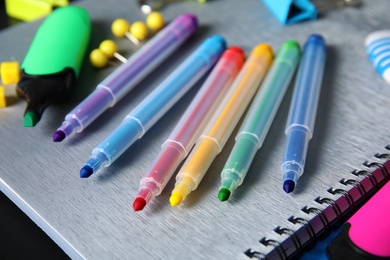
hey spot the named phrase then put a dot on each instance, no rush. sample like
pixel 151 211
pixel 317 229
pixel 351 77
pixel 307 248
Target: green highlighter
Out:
pixel 53 60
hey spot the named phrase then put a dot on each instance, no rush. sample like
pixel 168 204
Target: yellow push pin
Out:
pixel 107 50
pixel 121 28
pixel 155 21
pixel 10 72
pixel 98 59
pixel 139 30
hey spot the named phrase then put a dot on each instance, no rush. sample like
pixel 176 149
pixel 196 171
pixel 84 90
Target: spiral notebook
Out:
pixel 319 223
pixel 93 218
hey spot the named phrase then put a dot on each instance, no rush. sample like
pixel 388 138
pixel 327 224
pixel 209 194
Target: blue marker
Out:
pixel 155 105
pixel 303 109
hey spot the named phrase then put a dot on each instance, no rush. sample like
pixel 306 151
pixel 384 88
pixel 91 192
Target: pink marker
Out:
pixel 183 137
pixel 366 235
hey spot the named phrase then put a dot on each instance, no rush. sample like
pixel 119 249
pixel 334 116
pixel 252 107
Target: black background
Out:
pixel 20 237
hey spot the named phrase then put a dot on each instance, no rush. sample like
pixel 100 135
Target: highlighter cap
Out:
pixel 60 42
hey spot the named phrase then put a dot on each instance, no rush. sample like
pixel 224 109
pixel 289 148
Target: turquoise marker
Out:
pixel 155 105
pixel 53 60
pixel 258 120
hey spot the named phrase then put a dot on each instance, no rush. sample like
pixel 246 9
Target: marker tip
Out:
pixel 86 171
pixel 288 186
pixel 175 199
pixel 58 136
pixel 224 194
pixel 30 119
pixel 139 204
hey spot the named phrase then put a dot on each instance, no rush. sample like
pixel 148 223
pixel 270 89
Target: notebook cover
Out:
pixel 93 218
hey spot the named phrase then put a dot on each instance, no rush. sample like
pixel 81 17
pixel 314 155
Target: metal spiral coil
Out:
pixel 319 213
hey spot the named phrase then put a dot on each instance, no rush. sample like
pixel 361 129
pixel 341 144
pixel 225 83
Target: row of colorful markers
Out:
pixel 214 112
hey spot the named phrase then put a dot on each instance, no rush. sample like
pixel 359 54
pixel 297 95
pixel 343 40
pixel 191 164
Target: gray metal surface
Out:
pixel 93 218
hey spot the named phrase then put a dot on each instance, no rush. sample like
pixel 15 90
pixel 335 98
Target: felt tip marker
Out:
pixel 193 121
pixel 220 127
pixel 128 75
pixel 155 105
pixel 258 120
pixel 303 109
pixel 366 235
pixel 53 61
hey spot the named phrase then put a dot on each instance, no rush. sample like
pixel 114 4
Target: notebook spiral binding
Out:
pixel 336 212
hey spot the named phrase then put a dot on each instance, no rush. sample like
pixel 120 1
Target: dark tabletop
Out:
pixel 20 237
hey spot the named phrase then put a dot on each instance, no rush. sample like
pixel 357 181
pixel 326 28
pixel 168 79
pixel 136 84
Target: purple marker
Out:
pixel 127 75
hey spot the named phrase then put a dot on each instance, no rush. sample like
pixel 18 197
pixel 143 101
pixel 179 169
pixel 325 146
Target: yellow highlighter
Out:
pixel 213 139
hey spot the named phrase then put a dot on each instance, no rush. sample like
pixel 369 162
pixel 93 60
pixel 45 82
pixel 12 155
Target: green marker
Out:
pixel 53 61
pixel 259 118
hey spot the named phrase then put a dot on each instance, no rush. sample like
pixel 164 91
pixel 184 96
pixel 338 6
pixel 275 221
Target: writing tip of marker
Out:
pixel 175 199
pixel 58 136
pixel 30 119
pixel 223 194
pixel 86 171
pixel 288 186
pixel 139 203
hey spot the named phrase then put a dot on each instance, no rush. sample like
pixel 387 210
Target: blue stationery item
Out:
pixel 155 105
pixel 378 50
pixel 318 252
pixel 292 11
pixel 303 109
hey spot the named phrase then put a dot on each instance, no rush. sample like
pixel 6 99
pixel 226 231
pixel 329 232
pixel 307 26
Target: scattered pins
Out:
pixel 138 31
pixel 107 50
pixel 121 28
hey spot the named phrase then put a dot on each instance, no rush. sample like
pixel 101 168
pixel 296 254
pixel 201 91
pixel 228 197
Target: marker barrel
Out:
pixel 157 103
pixel 303 109
pixel 192 122
pixel 129 74
pixel 260 115
pixel 221 125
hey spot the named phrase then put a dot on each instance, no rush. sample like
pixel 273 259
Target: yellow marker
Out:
pixel 3 102
pixel 213 139
pixel 10 72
